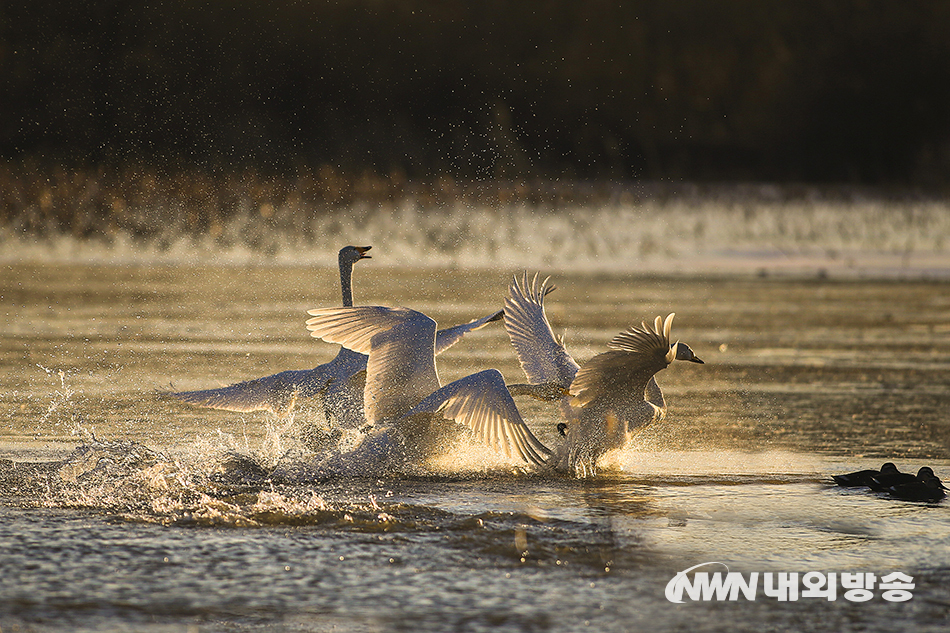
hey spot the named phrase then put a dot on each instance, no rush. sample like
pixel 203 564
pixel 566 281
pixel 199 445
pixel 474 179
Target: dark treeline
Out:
pixel 804 90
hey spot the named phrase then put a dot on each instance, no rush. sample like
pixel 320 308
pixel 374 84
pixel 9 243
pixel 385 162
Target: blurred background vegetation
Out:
pixel 810 90
pixel 106 101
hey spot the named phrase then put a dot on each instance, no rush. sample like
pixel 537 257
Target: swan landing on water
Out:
pixel 612 394
pixel 404 399
pixel 603 401
pixel 339 383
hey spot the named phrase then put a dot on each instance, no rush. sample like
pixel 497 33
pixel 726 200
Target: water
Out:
pixel 127 511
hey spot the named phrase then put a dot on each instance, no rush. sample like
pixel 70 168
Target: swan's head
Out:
pixel 352 254
pixel 681 351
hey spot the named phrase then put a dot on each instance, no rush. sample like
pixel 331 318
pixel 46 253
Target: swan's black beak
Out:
pixel 697 359
pixel 362 251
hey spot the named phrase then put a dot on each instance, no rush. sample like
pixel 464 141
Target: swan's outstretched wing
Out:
pixel 400 344
pixel 444 339
pixel 275 393
pixel 542 357
pixel 353 327
pixel 482 402
pixel 635 355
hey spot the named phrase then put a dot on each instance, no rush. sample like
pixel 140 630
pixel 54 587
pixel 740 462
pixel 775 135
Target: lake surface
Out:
pixel 123 510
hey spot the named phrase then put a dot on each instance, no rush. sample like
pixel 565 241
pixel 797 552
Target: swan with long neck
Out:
pixel 339 383
pixel 609 396
pixel 404 399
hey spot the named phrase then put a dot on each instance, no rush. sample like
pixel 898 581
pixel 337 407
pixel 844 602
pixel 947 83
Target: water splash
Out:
pixel 61 398
pixel 140 484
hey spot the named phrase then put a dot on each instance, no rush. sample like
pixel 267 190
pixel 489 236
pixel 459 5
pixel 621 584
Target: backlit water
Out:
pixel 121 510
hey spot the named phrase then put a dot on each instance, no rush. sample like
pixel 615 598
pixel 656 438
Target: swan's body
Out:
pixel 610 395
pixel 339 383
pixel 403 395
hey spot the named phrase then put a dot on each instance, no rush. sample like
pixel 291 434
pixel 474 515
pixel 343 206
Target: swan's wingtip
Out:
pixel 667 325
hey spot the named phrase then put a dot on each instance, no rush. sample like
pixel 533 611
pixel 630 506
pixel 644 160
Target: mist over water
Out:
pixel 750 230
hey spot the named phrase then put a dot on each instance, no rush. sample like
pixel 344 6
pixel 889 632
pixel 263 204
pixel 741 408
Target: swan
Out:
pixel 339 382
pixel 610 395
pixel 403 396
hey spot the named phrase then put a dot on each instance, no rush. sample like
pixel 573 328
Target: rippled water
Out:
pixel 122 510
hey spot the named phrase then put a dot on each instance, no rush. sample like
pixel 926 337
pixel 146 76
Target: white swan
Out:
pixel 610 395
pixel 339 382
pixel 403 394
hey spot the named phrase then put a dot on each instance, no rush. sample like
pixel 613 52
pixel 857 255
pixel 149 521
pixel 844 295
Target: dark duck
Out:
pixel 863 477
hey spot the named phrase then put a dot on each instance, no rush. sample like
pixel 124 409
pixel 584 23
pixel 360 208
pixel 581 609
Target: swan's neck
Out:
pixel 346 279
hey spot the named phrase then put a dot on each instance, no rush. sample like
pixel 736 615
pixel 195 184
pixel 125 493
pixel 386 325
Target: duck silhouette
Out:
pixel 885 481
pixel 925 487
pixel 862 478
